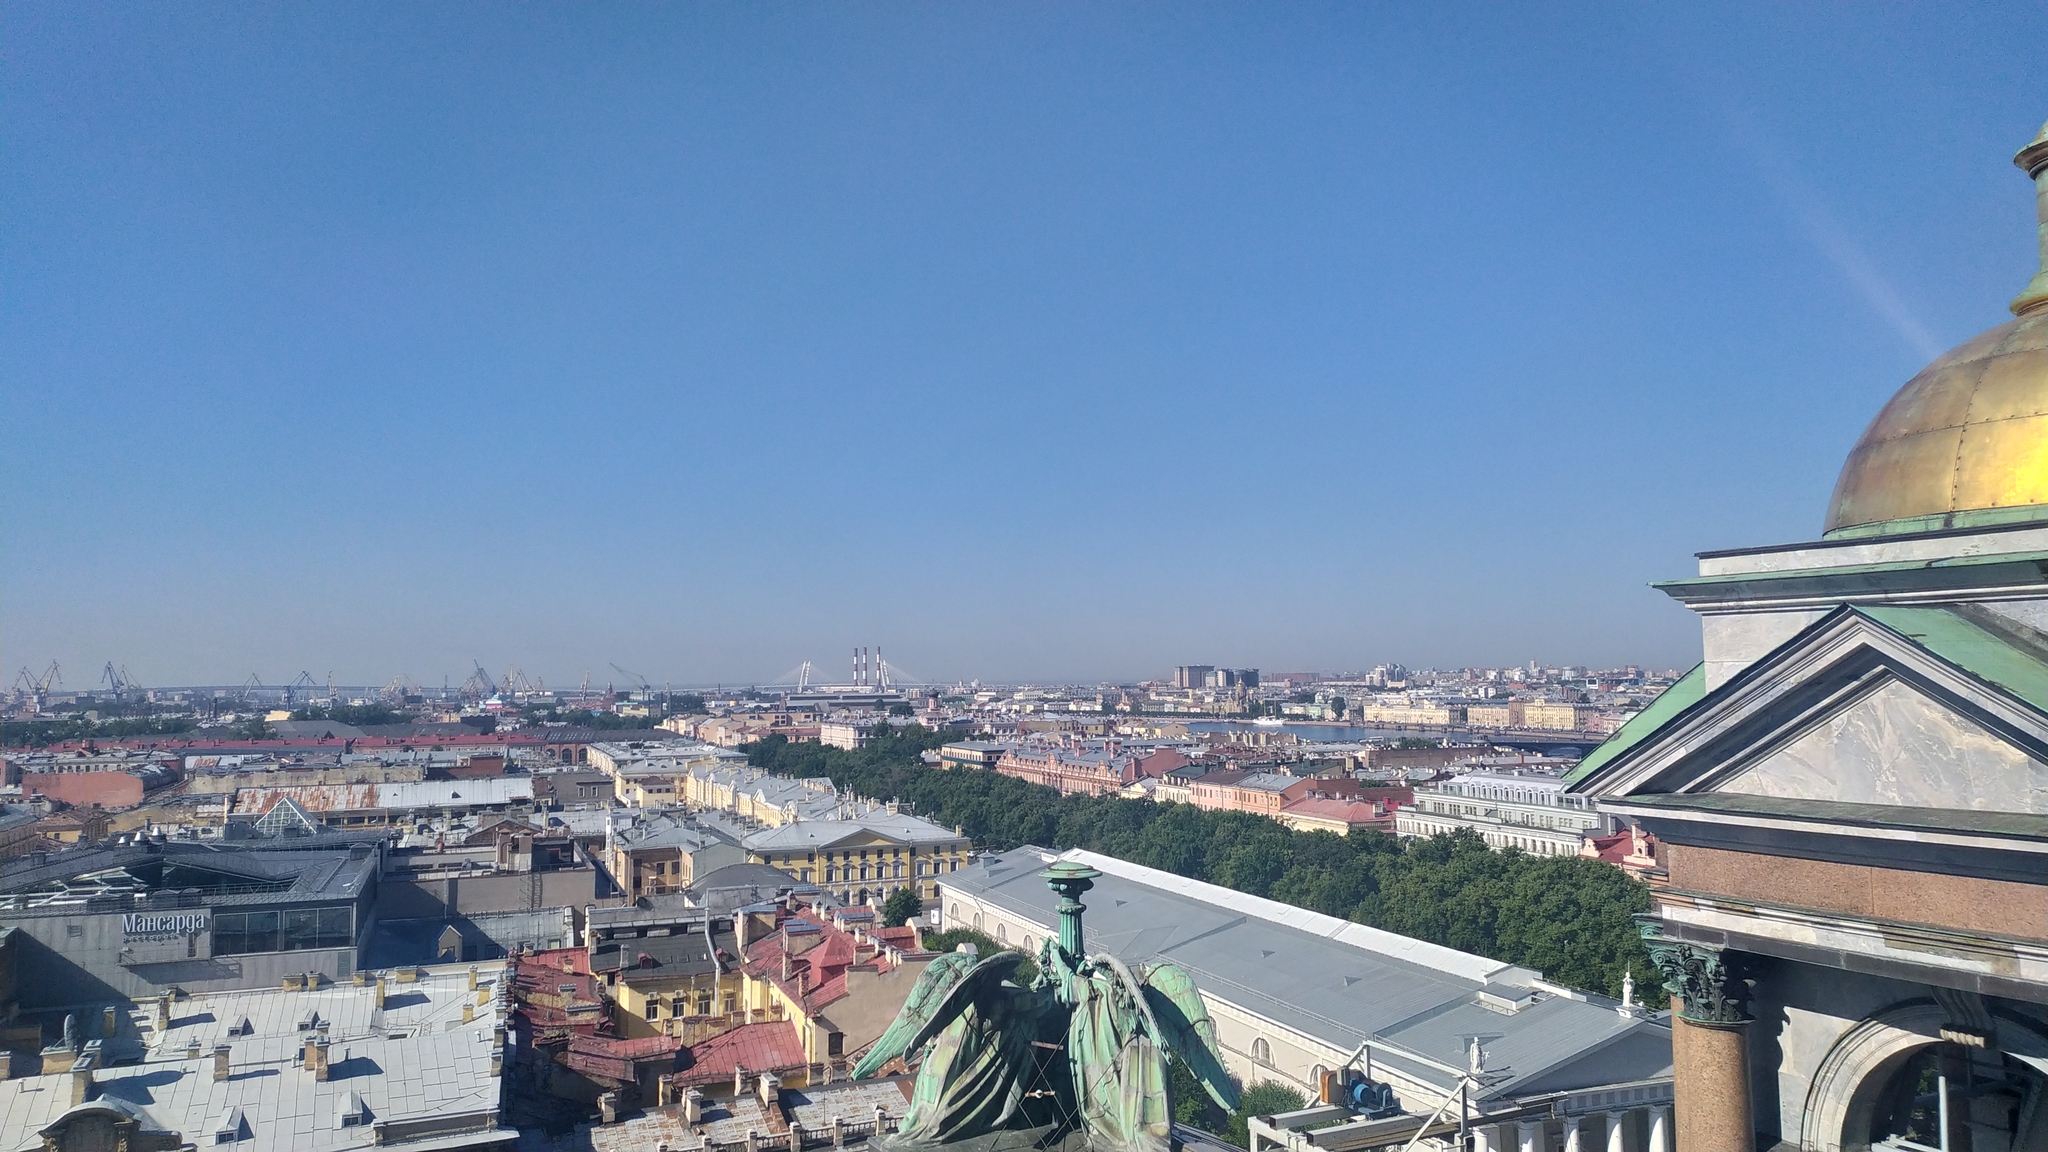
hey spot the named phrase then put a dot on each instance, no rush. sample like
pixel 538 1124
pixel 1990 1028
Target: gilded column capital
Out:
pixel 1701 977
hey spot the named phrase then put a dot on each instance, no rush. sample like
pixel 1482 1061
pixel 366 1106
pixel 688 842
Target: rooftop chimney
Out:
pixel 220 1061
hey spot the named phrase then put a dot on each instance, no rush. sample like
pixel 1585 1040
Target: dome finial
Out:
pixel 2033 160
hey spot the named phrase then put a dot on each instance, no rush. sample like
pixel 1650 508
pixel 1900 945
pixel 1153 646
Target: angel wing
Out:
pixel 933 1004
pixel 1186 1028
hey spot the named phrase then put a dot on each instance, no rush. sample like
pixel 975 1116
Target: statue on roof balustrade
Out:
pixel 1074 1058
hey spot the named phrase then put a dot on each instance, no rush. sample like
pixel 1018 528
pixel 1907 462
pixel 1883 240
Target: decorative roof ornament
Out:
pixel 1074 1057
pixel 1965 443
pixel 2033 160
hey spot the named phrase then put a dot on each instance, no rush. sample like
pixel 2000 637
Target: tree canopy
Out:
pixel 1572 918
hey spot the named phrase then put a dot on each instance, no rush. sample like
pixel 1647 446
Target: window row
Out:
pixel 291 930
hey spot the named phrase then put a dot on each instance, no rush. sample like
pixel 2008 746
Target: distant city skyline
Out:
pixel 1042 345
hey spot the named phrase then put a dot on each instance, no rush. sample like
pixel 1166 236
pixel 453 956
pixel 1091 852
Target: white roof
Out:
pixel 413 1060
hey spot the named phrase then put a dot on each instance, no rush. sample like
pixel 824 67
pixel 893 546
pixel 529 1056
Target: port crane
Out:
pixel 38 687
pixel 291 690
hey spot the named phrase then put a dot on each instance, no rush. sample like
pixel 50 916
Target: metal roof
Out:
pixel 1331 979
pixel 809 834
pixel 414 1059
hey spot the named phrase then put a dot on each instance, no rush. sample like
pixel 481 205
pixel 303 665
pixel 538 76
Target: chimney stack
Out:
pixel 81 1080
pixel 380 992
pixel 220 1061
pixel 608 1108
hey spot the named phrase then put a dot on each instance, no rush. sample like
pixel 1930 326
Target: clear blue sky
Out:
pixel 1025 341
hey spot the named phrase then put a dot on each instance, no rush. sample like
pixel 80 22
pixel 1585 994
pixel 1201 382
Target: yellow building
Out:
pixel 864 859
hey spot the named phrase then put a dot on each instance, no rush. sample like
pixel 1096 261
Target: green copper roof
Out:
pixel 1940 521
pixel 1690 688
pixel 1976 643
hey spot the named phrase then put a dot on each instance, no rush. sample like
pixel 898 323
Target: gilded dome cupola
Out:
pixel 1965 442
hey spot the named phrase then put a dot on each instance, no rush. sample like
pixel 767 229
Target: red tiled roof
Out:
pixel 768 1047
pixel 638 1048
pixel 1349 811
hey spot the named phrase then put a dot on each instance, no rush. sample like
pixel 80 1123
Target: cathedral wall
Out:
pixel 1964 903
pixel 1801 1012
pixel 1733 641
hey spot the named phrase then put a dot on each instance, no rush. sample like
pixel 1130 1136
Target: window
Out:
pixel 653 1008
pixel 293 930
pixel 835 1044
pixel 1262 1052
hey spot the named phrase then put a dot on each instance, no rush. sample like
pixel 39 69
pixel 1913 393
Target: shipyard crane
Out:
pixel 479 685
pixel 634 676
pixel 38 687
pixel 252 685
pixel 116 681
pixel 399 687
pixel 291 690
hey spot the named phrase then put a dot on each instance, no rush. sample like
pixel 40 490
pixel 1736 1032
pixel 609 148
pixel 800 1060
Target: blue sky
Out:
pixel 1025 341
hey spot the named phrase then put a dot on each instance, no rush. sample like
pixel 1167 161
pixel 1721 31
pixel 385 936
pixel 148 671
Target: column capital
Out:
pixel 1701 977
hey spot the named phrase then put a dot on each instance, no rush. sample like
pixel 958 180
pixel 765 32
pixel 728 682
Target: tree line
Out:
pixel 1569 917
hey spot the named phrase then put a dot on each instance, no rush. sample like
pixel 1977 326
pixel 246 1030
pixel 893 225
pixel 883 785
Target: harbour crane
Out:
pixel 291 690
pixel 38 687
pixel 634 676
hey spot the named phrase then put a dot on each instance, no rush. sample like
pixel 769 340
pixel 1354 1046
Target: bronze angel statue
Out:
pixel 1078 1053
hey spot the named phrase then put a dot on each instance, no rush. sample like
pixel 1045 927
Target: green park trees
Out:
pixel 1569 917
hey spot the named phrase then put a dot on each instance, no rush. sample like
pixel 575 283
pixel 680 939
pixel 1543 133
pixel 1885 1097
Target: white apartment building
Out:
pixel 1525 810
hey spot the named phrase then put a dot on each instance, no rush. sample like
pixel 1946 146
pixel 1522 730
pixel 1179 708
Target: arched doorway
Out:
pixel 1886 1082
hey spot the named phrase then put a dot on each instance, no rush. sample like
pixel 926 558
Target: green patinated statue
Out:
pixel 1076 1057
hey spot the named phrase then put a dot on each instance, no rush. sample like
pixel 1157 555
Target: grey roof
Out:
pixel 742 876
pixel 235 871
pixel 666 831
pixel 818 834
pixel 411 1060
pixel 1332 979
pixel 489 936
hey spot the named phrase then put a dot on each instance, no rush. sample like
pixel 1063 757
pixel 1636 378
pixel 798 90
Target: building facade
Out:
pixel 1531 812
pixel 861 861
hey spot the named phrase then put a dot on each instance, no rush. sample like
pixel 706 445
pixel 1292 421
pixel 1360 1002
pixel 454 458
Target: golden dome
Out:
pixel 1965 441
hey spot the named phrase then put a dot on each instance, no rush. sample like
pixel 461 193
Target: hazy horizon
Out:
pixel 1033 344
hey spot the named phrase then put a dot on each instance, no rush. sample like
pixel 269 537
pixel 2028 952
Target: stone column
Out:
pixel 1482 1138
pixel 1529 1136
pixel 1571 1133
pixel 1617 1135
pixel 1709 1044
pixel 1660 1128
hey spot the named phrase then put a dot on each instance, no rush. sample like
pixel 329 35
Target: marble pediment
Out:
pixel 1921 708
pixel 1897 745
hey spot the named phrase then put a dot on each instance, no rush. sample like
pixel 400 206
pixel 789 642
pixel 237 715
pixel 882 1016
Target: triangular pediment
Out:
pixel 1926 708
pixel 1899 745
